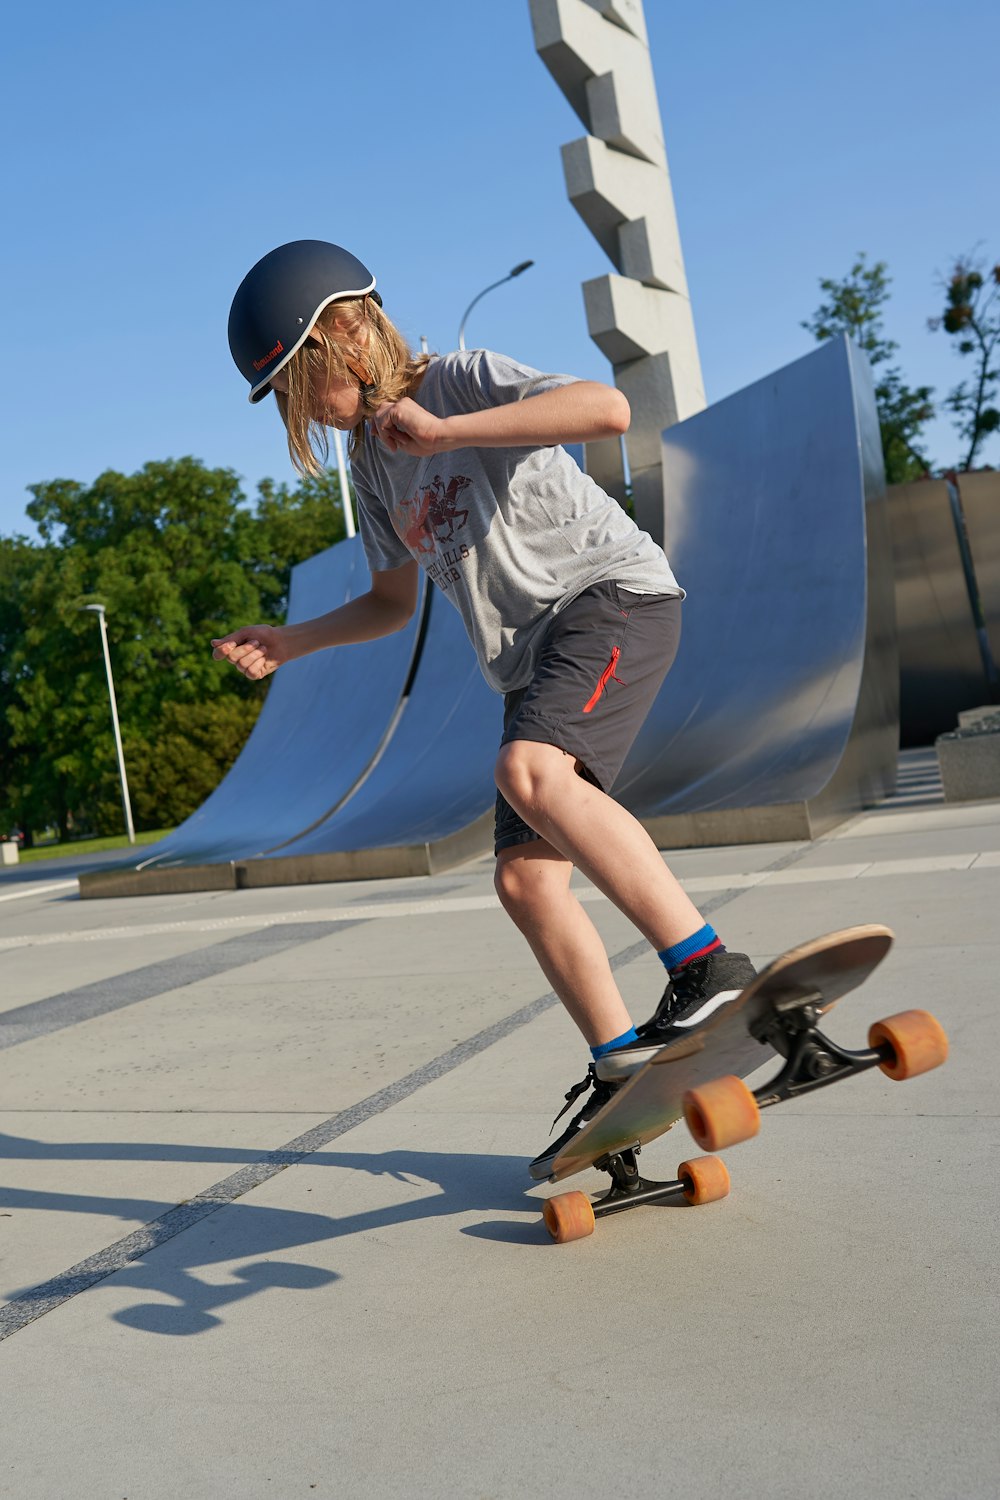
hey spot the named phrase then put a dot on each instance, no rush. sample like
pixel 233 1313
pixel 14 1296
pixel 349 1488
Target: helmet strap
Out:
pixel 361 375
pixel 365 384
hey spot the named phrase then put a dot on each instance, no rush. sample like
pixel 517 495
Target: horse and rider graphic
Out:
pixel 433 515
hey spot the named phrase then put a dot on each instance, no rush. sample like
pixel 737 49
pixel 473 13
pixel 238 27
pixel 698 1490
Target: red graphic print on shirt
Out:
pixel 433 514
pixel 429 521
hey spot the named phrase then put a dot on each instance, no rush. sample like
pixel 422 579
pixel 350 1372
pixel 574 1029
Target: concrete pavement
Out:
pixel 266 1228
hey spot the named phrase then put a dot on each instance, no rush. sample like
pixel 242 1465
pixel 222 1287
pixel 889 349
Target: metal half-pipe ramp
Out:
pixel 780 715
pixel 322 724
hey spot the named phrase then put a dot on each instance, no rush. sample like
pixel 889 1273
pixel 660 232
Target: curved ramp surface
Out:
pixel 323 721
pixel 432 788
pixel 780 715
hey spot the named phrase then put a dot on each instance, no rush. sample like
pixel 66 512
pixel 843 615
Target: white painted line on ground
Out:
pixel 927 865
pixel 722 882
pixel 39 890
pixel 385 910
pixel 818 872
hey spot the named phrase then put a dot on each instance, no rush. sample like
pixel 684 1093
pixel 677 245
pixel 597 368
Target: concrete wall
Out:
pixel 946 561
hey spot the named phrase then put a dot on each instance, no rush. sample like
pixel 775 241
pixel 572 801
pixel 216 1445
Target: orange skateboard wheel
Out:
pixel 720 1113
pixel 918 1043
pixel 705 1179
pixel 568 1216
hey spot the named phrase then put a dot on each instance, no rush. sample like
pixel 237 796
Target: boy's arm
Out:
pixel 258 650
pixel 580 412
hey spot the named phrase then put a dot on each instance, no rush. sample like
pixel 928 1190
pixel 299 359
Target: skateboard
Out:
pixel 700 1077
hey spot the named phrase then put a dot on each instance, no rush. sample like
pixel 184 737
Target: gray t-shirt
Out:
pixel 511 535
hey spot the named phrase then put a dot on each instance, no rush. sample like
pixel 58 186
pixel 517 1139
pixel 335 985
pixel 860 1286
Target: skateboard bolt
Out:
pixel 821 1063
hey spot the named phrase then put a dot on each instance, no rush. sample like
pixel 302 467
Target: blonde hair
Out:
pixel 384 361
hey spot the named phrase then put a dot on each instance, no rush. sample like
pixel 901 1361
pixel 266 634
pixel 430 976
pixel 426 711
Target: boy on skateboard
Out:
pixel 573 611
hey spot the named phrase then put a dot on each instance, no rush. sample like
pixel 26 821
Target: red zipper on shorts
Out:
pixel 606 676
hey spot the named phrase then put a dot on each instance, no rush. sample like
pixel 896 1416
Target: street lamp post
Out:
pixel 345 494
pixel 98 610
pixel 524 266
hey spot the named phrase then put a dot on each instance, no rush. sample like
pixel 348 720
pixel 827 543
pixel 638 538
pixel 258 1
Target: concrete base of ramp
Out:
pixel 773 824
pixel 301 869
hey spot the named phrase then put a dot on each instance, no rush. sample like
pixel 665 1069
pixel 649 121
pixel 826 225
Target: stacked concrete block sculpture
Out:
pixel 618 181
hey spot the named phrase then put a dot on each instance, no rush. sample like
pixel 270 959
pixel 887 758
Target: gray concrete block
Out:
pixel 969 758
pixel 970 716
pixel 178 880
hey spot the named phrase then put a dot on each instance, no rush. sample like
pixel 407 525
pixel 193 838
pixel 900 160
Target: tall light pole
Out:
pixel 345 494
pixel 524 266
pixel 98 610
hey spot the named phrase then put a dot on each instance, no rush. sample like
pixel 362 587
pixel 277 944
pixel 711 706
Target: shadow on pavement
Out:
pixel 465 1183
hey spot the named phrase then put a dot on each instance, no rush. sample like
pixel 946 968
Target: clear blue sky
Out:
pixel 154 151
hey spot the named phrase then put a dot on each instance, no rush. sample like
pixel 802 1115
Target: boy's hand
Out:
pixel 405 427
pixel 254 650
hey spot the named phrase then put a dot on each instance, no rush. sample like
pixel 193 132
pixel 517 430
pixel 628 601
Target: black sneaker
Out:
pixel 601 1093
pixel 694 993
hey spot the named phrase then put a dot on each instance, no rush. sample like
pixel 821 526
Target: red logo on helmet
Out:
pixel 279 348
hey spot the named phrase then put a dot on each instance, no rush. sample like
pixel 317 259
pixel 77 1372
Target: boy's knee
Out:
pixel 531 879
pixel 524 768
pixel 508 883
pixel 520 893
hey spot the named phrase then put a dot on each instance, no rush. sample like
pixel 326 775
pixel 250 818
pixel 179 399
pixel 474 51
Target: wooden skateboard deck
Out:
pixel 819 972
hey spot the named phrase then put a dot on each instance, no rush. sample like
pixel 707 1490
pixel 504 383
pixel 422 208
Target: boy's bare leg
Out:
pixel 532 881
pixel 599 836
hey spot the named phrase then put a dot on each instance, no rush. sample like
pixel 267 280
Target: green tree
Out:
pixel 854 306
pixel 170 776
pixel 972 316
pixel 177 557
pixel 18 559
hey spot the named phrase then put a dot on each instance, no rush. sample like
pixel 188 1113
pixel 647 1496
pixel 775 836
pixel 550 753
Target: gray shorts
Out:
pixel 601 665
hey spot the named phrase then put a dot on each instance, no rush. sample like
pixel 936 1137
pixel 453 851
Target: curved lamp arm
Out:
pixel 524 266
